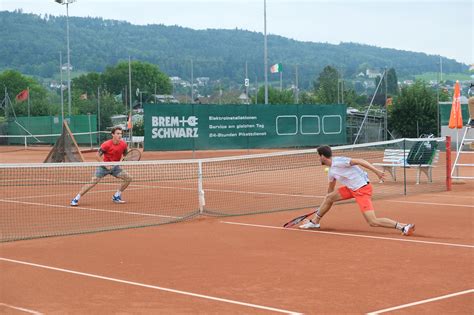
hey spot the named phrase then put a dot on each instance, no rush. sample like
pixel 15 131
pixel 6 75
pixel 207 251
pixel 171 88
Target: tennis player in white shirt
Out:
pixel 356 185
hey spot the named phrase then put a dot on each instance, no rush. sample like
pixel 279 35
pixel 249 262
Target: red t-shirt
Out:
pixel 113 152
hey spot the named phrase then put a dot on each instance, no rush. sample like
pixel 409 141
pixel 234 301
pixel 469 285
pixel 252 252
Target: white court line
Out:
pixel 432 203
pixel 350 234
pixel 90 209
pixel 448 196
pixel 21 309
pixel 420 302
pixel 208 297
pixel 65 194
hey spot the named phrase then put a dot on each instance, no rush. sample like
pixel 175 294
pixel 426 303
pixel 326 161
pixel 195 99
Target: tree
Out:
pixel 275 96
pixel 325 87
pixel 391 89
pixel 15 82
pixel 88 83
pixel 414 111
pixel 144 77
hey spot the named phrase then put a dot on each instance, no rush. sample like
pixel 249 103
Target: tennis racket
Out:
pixel 297 220
pixel 133 155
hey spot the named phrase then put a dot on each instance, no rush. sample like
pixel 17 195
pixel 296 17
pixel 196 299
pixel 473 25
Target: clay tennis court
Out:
pixel 250 264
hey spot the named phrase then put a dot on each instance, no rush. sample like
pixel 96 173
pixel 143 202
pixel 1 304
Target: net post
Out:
pixel 202 201
pixel 26 143
pixel 448 164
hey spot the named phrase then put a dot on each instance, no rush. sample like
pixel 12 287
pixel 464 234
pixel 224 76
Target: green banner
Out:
pixel 49 125
pixel 445 113
pixel 203 127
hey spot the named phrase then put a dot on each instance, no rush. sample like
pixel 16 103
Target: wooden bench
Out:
pixel 394 158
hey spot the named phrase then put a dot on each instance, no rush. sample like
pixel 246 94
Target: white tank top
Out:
pixel 349 175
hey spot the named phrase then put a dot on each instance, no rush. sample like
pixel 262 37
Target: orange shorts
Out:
pixel 363 196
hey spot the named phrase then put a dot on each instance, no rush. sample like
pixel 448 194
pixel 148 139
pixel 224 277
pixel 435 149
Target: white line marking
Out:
pixel 21 309
pixel 448 196
pixel 90 209
pixel 349 234
pixel 432 203
pixel 151 286
pixel 421 302
pixel 66 194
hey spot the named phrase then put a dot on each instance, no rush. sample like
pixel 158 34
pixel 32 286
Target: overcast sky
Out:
pixel 443 27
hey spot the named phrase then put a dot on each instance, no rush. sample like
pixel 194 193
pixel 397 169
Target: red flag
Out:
pixel 455 119
pixel 22 96
pixel 129 123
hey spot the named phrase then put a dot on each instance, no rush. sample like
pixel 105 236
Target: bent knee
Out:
pixel 332 197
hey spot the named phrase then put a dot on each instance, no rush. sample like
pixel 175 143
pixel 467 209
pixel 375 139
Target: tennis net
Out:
pixel 35 198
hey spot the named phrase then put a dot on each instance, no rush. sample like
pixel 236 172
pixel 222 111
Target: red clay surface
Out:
pixel 238 265
pixel 286 269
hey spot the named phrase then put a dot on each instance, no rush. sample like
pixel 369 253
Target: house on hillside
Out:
pixel 372 74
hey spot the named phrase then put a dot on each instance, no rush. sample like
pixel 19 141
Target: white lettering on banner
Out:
pixel 164 133
pixel 183 127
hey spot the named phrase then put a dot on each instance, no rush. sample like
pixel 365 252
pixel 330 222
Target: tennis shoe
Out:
pixel 310 225
pixel 117 199
pixel 74 202
pixel 408 229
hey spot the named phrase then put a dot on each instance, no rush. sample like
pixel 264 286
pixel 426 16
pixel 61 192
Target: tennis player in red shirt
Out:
pixel 110 151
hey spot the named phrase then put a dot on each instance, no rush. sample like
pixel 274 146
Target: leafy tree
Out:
pixel 391 89
pixel 15 82
pixel 144 77
pixel 275 96
pixel 325 87
pixel 414 111
pixel 307 98
pixel 88 83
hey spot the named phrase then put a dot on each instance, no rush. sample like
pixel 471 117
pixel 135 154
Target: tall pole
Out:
pixel 68 62
pixel 386 107
pixel 246 79
pixel 441 68
pixel 61 86
pixel 437 106
pixel 130 96
pixel 296 85
pixel 281 81
pixel 265 51
pixel 192 82
pixel 28 107
pixel 256 90
pixel 98 109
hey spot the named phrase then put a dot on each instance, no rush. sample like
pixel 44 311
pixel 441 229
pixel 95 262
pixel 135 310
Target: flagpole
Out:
pixel 28 89
pixel 130 98
pixel 281 84
pixel 296 83
pixel 265 52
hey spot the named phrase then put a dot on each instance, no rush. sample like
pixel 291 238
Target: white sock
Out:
pixel 399 226
pixel 118 193
pixel 78 197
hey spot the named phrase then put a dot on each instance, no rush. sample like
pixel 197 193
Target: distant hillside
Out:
pixel 31 44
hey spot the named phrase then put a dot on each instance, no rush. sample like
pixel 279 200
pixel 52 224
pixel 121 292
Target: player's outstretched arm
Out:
pixel 380 174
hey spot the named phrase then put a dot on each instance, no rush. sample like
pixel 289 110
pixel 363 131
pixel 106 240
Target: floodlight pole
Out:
pixel 265 51
pixel 61 85
pixel 68 63
pixel 67 2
